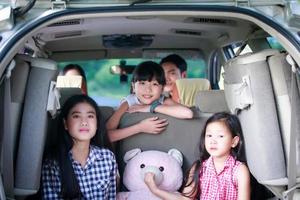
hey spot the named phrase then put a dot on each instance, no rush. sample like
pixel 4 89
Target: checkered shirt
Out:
pixel 97 180
pixel 219 186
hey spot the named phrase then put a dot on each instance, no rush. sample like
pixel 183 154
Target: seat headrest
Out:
pixel 69 86
pixel 211 101
pixel 188 88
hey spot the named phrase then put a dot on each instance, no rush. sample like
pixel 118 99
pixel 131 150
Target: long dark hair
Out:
pixel 69 184
pixel 233 124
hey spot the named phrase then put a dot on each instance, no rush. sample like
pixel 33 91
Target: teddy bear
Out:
pixel 165 166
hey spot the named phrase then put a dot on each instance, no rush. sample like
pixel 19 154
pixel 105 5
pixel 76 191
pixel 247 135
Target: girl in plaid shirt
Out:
pixel 81 164
pixel 217 175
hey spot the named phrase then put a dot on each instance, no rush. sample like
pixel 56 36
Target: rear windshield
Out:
pixel 108 89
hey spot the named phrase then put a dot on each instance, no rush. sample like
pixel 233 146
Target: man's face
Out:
pixel 172 73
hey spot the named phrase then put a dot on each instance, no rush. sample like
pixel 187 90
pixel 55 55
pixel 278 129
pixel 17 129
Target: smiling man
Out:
pixel 175 67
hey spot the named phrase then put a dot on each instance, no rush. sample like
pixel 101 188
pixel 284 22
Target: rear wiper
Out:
pixel 139 2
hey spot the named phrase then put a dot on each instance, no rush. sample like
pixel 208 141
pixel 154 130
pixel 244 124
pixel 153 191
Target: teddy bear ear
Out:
pixel 177 155
pixel 130 154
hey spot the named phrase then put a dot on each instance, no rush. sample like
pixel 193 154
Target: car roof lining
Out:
pixel 205 46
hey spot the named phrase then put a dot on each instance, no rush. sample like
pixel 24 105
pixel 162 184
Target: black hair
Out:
pixel 69 184
pixel 147 71
pixel 75 67
pixel 176 60
pixel 233 124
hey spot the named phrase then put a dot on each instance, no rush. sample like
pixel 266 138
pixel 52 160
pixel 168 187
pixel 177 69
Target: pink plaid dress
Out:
pixel 222 186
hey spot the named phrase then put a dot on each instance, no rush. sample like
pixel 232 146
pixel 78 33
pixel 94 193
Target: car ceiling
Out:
pixel 203 33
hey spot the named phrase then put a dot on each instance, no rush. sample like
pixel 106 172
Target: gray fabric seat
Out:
pixel 249 92
pixel 34 126
pixel 281 75
pixel 181 134
pixel 211 101
pixel 106 112
pixel 18 81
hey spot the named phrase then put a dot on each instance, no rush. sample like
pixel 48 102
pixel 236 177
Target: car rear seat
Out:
pixel 181 134
pixel 281 74
pixel 249 92
pixel 34 125
pixel 13 109
pixel 106 112
pixel 211 101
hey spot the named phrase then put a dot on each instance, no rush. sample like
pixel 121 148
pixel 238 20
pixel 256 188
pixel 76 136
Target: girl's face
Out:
pixel 81 122
pixel 147 91
pixel 219 140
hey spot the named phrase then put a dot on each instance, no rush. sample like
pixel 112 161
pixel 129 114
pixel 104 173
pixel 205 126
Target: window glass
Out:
pixel 107 89
pixel 231 51
pixel 221 79
pixel 246 49
pixel 274 44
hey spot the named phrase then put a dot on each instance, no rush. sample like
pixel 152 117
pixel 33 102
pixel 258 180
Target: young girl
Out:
pixel 147 86
pixel 81 166
pixel 217 174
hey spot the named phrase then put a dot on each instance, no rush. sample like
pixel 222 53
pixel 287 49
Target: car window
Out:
pixel 108 89
pixel 274 44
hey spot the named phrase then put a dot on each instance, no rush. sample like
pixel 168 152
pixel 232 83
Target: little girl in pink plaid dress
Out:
pixel 218 174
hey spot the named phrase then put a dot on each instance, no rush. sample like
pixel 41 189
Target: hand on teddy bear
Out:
pixel 149 170
pixel 150 181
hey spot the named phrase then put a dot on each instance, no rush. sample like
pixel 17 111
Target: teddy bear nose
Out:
pixel 157 171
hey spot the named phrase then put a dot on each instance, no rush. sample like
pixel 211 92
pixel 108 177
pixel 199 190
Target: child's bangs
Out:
pixel 149 76
pixel 144 77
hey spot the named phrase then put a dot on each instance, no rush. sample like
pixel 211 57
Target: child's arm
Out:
pixel 170 107
pixel 152 125
pixel 243 179
pixel 188 192
pixel 114 120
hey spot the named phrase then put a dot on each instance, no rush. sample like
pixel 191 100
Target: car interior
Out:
pixel 247 77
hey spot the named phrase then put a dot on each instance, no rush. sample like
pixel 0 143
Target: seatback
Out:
pixel 14 106
pixel 187 89
pixel 249 92
pixel 106 112
pixel 211 101
pixel 181 134
pixel 281 79
pixel 33 130
pixel 281 73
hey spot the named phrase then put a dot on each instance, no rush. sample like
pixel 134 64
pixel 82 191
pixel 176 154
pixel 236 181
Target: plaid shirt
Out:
pixel 97 180
pixel 222 186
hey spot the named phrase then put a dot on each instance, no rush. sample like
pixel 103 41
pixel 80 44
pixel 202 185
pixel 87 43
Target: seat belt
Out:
pixel 295 131
pixel 8 157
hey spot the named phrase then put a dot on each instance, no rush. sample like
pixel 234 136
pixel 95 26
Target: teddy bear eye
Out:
pixel 161 169
pixel 142 166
